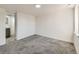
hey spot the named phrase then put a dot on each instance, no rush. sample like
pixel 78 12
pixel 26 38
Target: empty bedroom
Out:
pixel 39 29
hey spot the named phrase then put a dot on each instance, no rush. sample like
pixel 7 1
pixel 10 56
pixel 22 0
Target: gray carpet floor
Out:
pixel 37 45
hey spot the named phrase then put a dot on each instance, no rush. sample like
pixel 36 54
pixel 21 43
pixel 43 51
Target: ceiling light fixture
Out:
pixel 37 6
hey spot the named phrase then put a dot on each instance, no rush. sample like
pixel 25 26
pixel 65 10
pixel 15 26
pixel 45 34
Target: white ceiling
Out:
pixel 30 8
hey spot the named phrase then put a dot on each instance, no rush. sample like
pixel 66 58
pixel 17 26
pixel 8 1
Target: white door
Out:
pixel 2 26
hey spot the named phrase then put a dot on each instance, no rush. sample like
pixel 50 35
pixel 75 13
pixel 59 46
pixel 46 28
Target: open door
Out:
pixel 10 27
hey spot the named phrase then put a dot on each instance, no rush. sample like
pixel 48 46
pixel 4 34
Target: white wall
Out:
pixel 78 20
pixel 2 26
pixel 25 25
pixel 58 25
pixel 12 24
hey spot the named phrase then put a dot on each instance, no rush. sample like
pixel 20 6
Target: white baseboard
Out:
pixel 54 38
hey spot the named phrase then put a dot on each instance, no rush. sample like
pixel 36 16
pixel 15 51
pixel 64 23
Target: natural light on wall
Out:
pixel 76 20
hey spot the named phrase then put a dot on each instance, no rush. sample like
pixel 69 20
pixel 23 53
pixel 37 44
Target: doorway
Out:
pixel 10 27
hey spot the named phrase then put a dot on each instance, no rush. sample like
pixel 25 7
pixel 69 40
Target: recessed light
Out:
pixel 37 6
